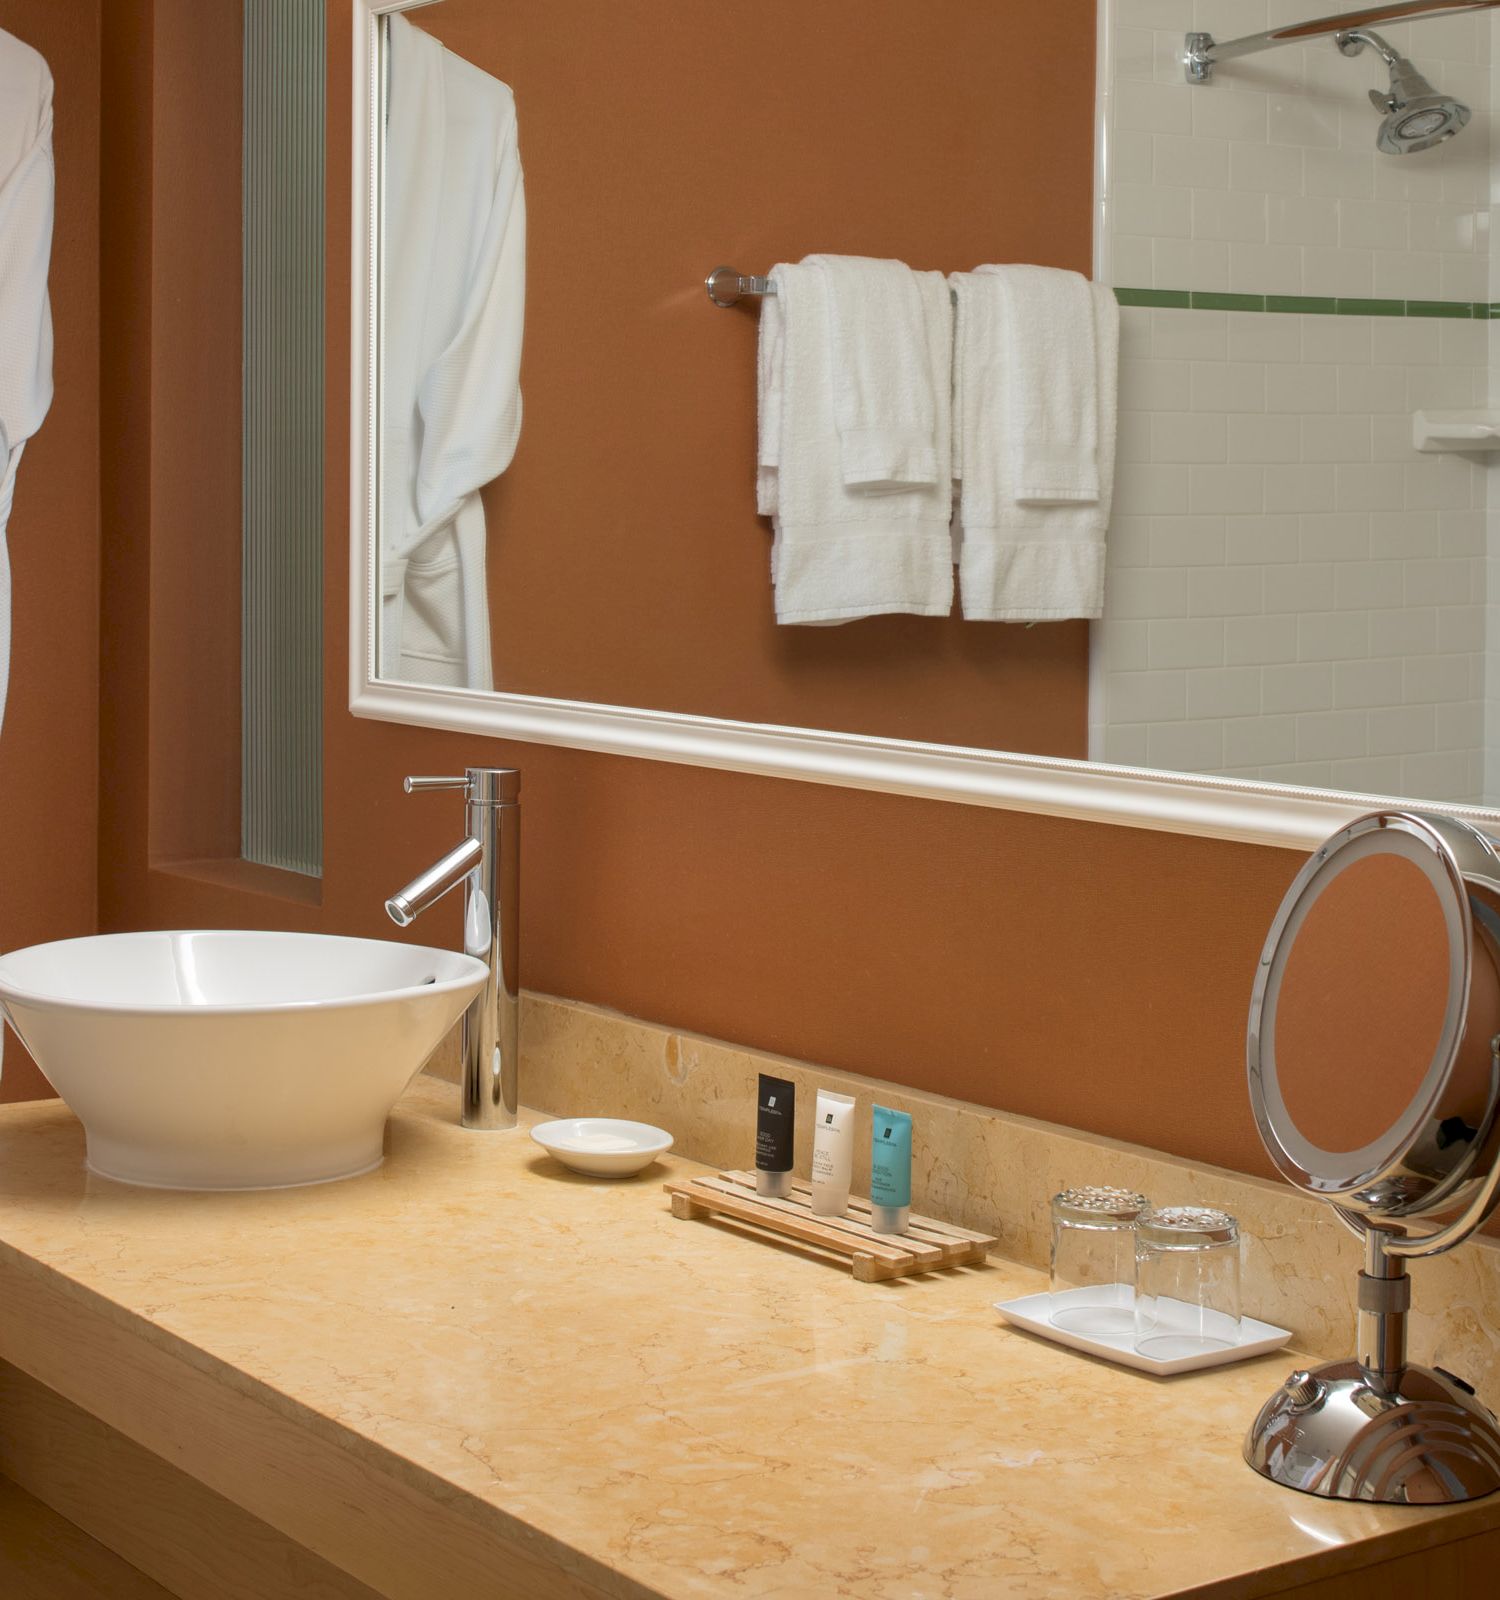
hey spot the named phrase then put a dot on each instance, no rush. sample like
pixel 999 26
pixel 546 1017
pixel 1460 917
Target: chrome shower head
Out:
pixel 1416 115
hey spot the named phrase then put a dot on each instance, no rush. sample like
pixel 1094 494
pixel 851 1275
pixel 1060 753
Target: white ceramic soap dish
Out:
pixel 1033 1313
pixel 602 1147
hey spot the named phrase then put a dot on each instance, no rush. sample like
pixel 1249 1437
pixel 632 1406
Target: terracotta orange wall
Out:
pixel 195 389
pixel 49 745
pixel 1093 975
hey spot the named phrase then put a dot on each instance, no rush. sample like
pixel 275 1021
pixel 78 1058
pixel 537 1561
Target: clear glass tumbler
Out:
pixel 1187 1282
pixel 1093 1260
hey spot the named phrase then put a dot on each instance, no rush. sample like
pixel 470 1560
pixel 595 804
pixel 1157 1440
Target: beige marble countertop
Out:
pixel 631 1404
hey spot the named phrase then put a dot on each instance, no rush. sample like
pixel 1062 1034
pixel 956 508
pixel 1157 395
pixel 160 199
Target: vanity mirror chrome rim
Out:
pixel 1178 802
pixel 1377 1427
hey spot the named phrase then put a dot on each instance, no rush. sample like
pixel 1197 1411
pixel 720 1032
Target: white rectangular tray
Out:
pixel 1032 1312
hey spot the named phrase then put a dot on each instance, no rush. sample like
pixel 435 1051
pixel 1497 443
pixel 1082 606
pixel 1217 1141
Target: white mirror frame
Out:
pixel 1138 797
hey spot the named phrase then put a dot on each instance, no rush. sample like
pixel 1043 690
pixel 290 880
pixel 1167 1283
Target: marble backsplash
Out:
pixel 997 1172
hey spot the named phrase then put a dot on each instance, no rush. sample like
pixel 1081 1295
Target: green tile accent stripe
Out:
pixel 1445 308
pixel 1303 305
pixel 1208 301
pixel 1372 308
pixel 1154 297
pixel 1307 305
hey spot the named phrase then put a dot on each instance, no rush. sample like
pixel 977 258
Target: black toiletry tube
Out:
pixel 775 1124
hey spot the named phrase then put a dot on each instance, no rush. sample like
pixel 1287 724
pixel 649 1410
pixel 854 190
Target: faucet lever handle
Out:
pixel 412 785
pixel 482 786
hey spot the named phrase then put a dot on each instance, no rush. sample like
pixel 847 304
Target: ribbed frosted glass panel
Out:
pixel 282 784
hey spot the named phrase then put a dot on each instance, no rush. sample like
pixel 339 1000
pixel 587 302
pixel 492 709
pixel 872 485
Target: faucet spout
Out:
pixel 427 888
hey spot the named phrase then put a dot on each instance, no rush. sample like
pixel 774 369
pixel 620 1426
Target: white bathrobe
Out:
pixel 25 314
pixel 454 273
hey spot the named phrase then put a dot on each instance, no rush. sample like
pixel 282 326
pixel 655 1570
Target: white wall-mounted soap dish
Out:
pixel 1435 431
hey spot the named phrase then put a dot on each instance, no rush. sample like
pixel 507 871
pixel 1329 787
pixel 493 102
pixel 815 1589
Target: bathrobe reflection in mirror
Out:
pixel 25 313
pixel 453 258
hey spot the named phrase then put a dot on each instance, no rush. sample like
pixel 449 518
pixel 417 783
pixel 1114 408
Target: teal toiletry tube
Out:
pixel 890 1170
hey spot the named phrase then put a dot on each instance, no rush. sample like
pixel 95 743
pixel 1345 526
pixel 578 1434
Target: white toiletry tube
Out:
pixel 833 1153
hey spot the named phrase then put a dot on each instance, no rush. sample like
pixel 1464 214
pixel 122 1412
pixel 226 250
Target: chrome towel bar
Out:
pixel 727 286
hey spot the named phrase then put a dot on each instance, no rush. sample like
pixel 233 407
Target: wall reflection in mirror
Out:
pixel 1298 583
pixel 616 534
pixel 452 312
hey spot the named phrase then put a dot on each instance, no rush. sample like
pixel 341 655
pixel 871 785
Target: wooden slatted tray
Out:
pixel 927 1246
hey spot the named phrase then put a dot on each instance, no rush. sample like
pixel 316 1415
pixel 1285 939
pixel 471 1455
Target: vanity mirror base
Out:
pixel 1340 1432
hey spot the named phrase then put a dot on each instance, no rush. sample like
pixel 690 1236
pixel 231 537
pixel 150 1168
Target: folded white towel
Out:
pixel 841 552
pixel 1021 562
pixel 1053 400
pixel 768 360
pixel 883 398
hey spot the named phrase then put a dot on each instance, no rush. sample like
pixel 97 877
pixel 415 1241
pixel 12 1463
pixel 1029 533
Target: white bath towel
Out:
pixel 1022 562
pixel 1053 399
pixel 841 552
pixel 26 185
pixel 768 367
pixel 883 400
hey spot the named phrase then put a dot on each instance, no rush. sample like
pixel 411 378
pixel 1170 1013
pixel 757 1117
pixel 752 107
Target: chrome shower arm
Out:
pixel 1203 52
pixel 1351 43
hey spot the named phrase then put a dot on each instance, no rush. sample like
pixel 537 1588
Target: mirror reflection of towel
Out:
pixel 453 267
pixel 25 313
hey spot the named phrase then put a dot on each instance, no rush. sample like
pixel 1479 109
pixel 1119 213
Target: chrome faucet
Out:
pixel 488 864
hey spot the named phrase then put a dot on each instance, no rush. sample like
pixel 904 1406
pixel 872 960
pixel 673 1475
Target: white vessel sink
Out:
pixel 229 1060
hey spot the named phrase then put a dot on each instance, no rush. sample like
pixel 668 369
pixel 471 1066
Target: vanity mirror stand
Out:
pixel 1375 1082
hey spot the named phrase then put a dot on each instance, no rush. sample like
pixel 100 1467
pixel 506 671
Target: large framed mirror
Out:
pixel 1296 595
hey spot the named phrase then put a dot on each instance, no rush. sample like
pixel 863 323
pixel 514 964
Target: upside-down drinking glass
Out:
pixel 1187 1282
pixel 1093 1259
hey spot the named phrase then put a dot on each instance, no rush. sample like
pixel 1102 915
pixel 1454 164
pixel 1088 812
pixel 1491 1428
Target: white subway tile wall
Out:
pixel 1266 180
pixel 1286 588
pixel 1294 593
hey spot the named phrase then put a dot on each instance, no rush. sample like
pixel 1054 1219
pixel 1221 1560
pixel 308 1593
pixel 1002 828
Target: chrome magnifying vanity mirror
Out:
pixel 1372 1055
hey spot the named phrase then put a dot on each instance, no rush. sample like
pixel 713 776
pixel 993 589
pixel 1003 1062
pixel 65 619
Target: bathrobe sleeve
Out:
pixel 25 313
pixel 470 394
pixel 25 244
pixel 455 268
